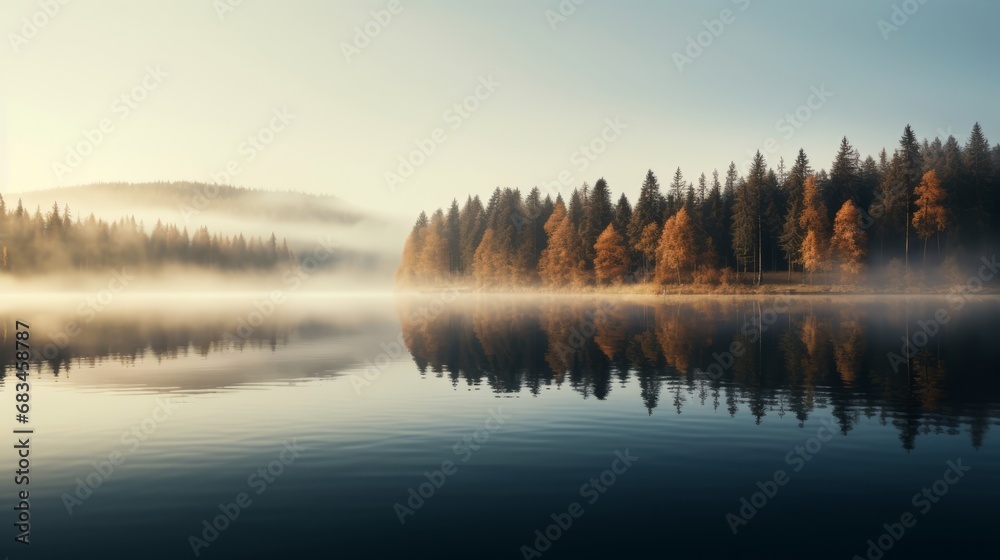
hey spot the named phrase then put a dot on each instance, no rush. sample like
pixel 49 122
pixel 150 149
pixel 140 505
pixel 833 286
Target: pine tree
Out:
pixel 598 213
pixel 452 234
pixel 472 226
pixel 748 218
pixel 434 263
pixel 646 246
pixel 533 237
pixel 622 219
pixel 647 208
pixel 845 176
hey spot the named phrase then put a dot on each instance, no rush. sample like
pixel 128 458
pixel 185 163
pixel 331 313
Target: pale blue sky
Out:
pixel 225 77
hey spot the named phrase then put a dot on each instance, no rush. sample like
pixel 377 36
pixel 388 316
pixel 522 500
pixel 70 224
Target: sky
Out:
pixel 398 106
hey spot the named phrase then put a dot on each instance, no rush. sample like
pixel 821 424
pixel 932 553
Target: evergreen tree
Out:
pixel 453 235
pixel 623 218
pixel 647 208
pixel 845 177
pixel 598 213
pixel 472 226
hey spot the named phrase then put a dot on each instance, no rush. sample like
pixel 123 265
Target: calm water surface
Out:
pixel 504 412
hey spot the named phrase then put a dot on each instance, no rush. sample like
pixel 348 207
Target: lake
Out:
pixel 448 426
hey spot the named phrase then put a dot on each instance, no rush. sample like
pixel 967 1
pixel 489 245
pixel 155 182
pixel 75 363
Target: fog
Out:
pixel 303 220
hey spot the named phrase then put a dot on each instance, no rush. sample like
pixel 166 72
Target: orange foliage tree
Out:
pixel 814 221
pixel 677 250
pixel 647 244
pixel 562 262
pixel 849 239
pixel 487 265
pixel 611 260
pixel 931 216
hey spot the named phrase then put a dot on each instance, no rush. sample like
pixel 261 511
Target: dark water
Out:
pixel 640 426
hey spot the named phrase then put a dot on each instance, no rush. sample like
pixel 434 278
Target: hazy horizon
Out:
pixel 342 111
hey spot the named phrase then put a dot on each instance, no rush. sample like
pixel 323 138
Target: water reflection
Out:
pixel 750 356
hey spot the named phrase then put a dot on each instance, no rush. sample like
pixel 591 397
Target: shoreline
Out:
pixel 684 290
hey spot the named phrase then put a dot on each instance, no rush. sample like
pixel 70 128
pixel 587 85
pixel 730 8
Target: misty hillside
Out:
pixel 300 218
pixel 364 244
pixel 191 198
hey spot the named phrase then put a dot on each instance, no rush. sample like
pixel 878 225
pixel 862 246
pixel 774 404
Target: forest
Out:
pixel 54 242
pixel 916 216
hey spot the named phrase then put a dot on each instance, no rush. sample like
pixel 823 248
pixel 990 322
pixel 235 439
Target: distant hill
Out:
pixel 365 243
pixel 185 197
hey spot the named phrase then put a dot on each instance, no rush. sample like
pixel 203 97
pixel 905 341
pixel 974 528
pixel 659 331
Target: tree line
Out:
pixel 861 214
pixel 55 242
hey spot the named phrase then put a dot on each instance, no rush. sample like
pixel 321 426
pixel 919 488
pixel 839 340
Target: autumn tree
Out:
pixel 407 273
pixel 814 222
pixel 677 250
pixel 849 239
pixel 931 216
pixel 434 264
pixel 487 265
pixel 611 259
pixel 562 261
